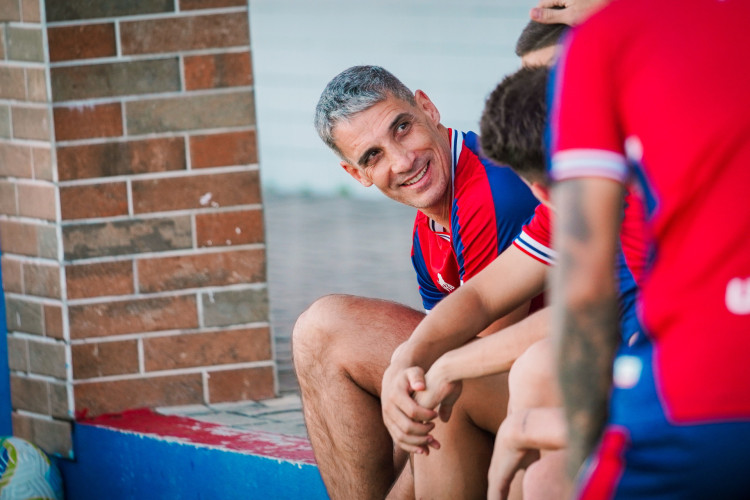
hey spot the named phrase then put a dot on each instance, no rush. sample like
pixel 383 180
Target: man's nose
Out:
pixel 402 160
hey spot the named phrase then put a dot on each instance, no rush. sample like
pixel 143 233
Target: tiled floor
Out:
pixel 318 246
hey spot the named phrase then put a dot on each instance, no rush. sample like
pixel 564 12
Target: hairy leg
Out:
pixel 459 468
pixel 341 346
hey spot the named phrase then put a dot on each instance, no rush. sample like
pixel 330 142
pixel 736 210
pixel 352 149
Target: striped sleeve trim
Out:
pixel 573 163
pixel 533 248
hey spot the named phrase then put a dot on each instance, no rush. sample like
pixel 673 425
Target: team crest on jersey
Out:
pixel 447 286
pixel 738 296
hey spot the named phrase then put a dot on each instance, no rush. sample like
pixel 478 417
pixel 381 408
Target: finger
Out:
pixel 415 377
pixel 551 16
pixel 413 410
pixel 548 4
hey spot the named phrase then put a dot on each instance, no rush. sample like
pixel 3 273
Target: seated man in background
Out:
pixel 467 213
pixel 512 133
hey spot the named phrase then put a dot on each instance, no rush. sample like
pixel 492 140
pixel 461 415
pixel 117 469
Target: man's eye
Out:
pixel 403 126
pixel 372 157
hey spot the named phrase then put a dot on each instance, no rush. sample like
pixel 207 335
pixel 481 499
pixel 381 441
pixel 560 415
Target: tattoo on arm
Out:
pixel 586 324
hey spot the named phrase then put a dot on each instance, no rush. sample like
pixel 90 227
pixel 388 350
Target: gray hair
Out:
pixel 352 91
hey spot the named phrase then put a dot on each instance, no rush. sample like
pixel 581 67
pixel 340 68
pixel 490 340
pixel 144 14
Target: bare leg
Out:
pixel 459 468
pixel 546 478
pixel 341 347
pixel 532 379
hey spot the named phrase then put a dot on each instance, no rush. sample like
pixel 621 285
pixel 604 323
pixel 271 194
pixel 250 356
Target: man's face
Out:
pixel 399 148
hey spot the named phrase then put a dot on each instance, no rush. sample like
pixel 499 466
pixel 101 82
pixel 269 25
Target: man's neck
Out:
pixel 441 213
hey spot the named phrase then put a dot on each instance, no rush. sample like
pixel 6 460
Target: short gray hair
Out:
pixel 352 91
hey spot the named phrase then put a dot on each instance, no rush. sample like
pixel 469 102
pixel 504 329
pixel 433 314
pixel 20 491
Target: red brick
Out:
pixel 229 228
pixel 219 150
pixel 29 394
pixel 126 237
pixel 101 359
pixel 196 191
pixel 12 83
pixel 8 198
pixel 132 316
pixel 12 276
pixel 36 85
pixel 15 161
pixel 184 33
pixel 37 201
pixel 28 238
pixel 30 123
pixel 103 120
pixel 42 164
pixel 2 41
pixel 190 112
pixel 94 200
pixel 18 237
pixel 201 270
pixel 210 4
pixel 47 358
pixel 30 12
pixel 10 10
pixel 95 398
pixel 206 349
pixel 218 70
pixel 240 385
pixel 42 280
pixel 121 158
pixel 53 321
pixel 81 42
pixel 99 279
pixel 77 10
pixel 52 436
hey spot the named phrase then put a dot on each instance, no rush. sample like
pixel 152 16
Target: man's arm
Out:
pixel 509 281
pixel 485 356
pixel 584 303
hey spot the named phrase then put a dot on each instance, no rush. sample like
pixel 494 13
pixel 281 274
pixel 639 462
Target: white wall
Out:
pixel 456 51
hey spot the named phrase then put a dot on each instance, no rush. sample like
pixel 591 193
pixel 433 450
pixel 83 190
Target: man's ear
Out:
pixel 425 104
pixel 356 173
pixel 540 190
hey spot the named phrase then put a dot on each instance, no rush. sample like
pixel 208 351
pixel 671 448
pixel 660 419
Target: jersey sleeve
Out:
pixel 535 239
pixel 585 140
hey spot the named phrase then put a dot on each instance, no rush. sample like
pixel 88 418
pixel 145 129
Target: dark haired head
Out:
pixel 513 122
pixel 537 36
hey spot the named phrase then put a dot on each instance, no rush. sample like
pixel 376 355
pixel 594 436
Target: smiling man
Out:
pixel 468 213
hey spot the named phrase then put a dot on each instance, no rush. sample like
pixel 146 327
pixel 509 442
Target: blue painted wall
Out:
pixel 116 465
pixel 6 427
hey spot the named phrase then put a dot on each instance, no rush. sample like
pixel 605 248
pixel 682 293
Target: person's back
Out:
pixel 663 78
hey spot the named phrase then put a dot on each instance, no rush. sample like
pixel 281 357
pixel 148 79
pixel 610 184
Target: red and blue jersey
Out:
pixel 490 205
pixel 654 91
pixel 535 240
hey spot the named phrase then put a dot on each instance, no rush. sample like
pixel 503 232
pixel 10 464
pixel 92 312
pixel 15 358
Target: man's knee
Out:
pixel 312 331
pixel 531 379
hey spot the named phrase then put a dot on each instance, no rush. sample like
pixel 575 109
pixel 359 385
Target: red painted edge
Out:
pixel 188 430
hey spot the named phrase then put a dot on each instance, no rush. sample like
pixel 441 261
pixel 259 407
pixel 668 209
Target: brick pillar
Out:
pixel 131 221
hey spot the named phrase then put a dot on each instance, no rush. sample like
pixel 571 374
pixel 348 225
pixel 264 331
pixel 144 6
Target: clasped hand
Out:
pixel 411 400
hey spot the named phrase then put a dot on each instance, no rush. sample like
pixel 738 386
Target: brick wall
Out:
pixel 131 221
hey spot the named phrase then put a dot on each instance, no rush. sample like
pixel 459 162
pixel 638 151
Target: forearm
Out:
pixel 584 298
pixel 502 289
pixel 494 353
pixel 585 351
